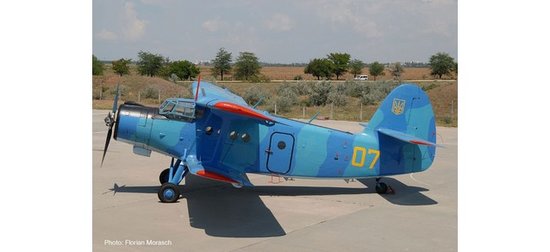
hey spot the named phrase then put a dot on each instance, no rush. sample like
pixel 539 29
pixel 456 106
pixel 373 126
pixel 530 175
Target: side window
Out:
pixel 185 109
pixel 168 107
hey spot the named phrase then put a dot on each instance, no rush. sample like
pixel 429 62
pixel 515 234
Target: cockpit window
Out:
pixel 180 109
pixel 167 106
pixel 185 109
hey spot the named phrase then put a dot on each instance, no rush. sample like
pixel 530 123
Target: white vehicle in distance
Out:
pixel 361 77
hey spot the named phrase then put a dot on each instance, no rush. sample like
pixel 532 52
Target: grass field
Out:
pixel 148 90
pixel 288 73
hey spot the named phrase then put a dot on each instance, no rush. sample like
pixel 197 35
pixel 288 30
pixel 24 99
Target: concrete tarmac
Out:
pixel 277 214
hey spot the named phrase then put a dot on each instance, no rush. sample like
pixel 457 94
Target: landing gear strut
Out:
pixel 170 179
pixel 382 188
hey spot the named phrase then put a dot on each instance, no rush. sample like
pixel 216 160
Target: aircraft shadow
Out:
pixel 404 194
pixel 224 211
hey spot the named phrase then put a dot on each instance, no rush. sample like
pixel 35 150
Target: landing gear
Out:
pixel 164 176
pixel 170 179
pixel 169 193
pixel 382 188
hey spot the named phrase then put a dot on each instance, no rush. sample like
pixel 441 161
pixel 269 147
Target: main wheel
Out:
pixel 168 193
pixel 164 176
pixel 381 188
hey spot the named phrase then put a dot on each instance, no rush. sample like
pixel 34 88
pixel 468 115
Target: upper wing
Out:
pixel 209 92
pixel 221 99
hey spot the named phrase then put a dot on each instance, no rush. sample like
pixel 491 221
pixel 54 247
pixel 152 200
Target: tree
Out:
pixel 149 64
pixel 441 64
pixel 222 63
pixel 397 70
pixel 341 63
pixel 182 68
pixel 97 66
pixel 376 69
pixel 320 68
pixel 247 66
pixel 455 68
pixel 356 67
pixel 121 66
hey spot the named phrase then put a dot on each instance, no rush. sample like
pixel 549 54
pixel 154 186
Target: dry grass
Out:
pixel 443 94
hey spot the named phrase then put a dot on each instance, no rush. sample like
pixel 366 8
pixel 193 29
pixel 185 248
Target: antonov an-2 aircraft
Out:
pixel 217 135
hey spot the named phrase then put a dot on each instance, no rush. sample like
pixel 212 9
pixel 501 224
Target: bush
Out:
pixel 303 88
pixel 122 89
pixel 100 92
pixel 355 89
pixel 284 103
pixel 319 93
pixel 286 97
pixel 151 93
pixel 288 92
pixel 376 92
pixel 337 95
pixel 253 94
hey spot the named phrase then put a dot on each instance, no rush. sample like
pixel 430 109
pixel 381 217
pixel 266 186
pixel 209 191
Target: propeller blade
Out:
pixel 115 103
pixel 109 133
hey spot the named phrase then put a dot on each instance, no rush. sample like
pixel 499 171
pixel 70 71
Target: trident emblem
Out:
pixel 398 106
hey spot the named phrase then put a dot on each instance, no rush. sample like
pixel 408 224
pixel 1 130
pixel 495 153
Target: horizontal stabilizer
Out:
pixel 406 138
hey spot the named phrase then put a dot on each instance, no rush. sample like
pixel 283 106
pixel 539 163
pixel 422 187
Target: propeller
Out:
pixel 109 122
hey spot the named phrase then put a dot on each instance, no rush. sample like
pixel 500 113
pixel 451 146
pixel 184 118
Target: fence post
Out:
pixel 159 95
pixel 139 96
pixel 275 108
pixel 101 93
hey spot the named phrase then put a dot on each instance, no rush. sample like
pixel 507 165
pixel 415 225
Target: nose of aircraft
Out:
pixel 133 123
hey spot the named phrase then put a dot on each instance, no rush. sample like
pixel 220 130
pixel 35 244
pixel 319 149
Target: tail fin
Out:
pixel 405 127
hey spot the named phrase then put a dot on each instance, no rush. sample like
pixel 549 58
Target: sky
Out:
pixel 276 31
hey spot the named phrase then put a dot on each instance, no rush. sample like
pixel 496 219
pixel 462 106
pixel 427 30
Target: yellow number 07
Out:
pixel 363 156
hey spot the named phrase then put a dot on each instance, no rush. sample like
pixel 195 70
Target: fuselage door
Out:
pixel 281 147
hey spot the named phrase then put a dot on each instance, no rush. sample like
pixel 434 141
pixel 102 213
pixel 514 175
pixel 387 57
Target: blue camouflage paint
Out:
pixel 206 143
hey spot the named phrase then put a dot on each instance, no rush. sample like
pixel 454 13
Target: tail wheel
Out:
pixel 168 193
pixel 381 188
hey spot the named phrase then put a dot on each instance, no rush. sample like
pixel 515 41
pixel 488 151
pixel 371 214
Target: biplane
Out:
pixel 217 135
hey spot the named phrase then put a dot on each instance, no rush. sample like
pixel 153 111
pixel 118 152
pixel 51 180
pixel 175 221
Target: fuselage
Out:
pixel 235 144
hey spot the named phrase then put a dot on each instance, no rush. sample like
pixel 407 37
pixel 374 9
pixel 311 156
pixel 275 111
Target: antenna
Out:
pixel 198 86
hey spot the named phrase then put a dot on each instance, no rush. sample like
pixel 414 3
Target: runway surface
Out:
pixel 276 215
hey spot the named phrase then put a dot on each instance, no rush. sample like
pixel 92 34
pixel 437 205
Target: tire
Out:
pixel 381 188
pixel 164 175
pixel 168 193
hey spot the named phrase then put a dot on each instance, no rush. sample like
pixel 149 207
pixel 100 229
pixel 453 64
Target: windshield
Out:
pixel 178 109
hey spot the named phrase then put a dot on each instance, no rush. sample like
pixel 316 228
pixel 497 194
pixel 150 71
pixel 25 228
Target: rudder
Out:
pixel 406 113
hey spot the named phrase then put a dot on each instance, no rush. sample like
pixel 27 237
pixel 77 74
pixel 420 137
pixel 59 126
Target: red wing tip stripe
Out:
pixel 238 109
pixel 215 176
